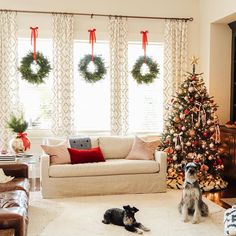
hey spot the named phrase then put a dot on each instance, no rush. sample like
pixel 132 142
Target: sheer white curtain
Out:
pixel 9 97
pixel 175 57
pixel 63 84
pixel 119 75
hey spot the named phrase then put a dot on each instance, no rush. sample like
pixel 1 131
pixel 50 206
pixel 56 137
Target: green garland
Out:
pixel 149 77
pixel 28 74
pixel 100 70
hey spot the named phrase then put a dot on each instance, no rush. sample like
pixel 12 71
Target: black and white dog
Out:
pixel 124 217
pixel 191 202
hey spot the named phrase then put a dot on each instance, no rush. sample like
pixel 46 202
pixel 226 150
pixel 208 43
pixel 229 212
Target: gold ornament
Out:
pixel 182 116
pixel 178 147
pixel 188 144
pixel 211 145
pixel 174 157
pixel 192 132
pixel 191 89
pixel 209 122
pixel 177 119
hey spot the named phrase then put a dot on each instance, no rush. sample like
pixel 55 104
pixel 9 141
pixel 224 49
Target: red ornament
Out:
pixel 186 112
pixel 167 141
pixel 195 143
pixel 193 77
pixel 205 134
pixel 169 150
pixel 180 127
pixel 191 100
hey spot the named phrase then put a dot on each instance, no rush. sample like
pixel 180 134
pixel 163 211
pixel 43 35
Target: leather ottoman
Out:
pixel 14 201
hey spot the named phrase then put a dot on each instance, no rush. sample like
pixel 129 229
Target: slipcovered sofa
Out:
pixel 116 175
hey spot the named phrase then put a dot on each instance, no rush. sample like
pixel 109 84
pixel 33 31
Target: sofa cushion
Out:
pixel 85 156
pixel 58 153
pixel 142 150
pixel 115 147
pixel 56 141
pixel 110 167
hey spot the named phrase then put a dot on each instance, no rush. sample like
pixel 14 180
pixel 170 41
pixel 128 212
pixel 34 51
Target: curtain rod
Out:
pixel 103 15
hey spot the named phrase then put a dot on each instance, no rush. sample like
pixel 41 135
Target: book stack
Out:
pixel 6 158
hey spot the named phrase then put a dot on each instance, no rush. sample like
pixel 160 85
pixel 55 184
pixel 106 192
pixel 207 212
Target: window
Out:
pixel 36 100
pixel 92 100
pixel 145 101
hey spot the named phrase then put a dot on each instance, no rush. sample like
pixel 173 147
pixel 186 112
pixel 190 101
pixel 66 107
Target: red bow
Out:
pixel 144 42
pixel 92 39
pixel 25 140
pixel 34 35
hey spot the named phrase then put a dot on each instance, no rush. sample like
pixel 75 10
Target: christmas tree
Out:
pixel 192 134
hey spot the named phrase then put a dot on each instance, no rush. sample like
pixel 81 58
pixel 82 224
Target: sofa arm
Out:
pixel 161 158
pixel 16 170
pixel 44 166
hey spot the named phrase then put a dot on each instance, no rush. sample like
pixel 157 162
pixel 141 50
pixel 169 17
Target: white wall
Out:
pixel 215 50
pixel 168 8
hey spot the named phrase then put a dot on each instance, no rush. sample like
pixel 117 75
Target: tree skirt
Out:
pixel 208 184
pixel 83 216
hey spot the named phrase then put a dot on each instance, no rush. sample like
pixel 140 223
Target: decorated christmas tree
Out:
pixel 192 134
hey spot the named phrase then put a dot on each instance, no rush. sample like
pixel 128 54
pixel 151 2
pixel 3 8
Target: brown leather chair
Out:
pixel 14 197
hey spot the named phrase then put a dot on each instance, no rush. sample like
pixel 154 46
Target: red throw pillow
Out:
pixel 86 156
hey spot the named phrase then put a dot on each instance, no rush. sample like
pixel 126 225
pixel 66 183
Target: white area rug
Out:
pixel 82 216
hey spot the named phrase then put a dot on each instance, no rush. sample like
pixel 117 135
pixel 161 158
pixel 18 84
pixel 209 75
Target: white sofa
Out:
pixel 114 176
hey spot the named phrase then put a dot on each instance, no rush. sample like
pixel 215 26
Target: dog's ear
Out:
pixel 183 166
pixel 135 209
pixel 127 207
pixel 197 165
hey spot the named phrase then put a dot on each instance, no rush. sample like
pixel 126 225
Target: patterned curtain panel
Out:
pixel 175 57
pixel 119 75
pixel 8 73
pixel 63 85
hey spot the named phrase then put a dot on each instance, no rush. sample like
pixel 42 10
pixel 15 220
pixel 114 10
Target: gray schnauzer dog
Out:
pixel 191 202
pixel 124 217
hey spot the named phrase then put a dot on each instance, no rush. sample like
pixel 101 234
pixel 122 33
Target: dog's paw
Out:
pixel 185 219
pixel 195 221
pixel 146 229
pixel 139 231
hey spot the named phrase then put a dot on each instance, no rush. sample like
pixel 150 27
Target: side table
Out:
pixel 33 164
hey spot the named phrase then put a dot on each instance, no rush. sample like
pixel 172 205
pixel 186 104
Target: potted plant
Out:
pixel 18 125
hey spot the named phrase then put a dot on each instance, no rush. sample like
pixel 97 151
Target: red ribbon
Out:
pixel 25 140
pixel 144 42
pixel 34 35
pixel 92 39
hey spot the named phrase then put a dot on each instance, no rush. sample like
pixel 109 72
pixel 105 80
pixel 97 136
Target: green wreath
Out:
pixel 99 72
pixel 146 78
pixel 27 72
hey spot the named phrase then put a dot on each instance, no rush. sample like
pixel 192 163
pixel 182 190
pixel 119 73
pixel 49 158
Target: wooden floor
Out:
pixel 229 192
pixel 216 197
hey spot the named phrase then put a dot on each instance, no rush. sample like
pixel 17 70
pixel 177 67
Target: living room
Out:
pixel 114 104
